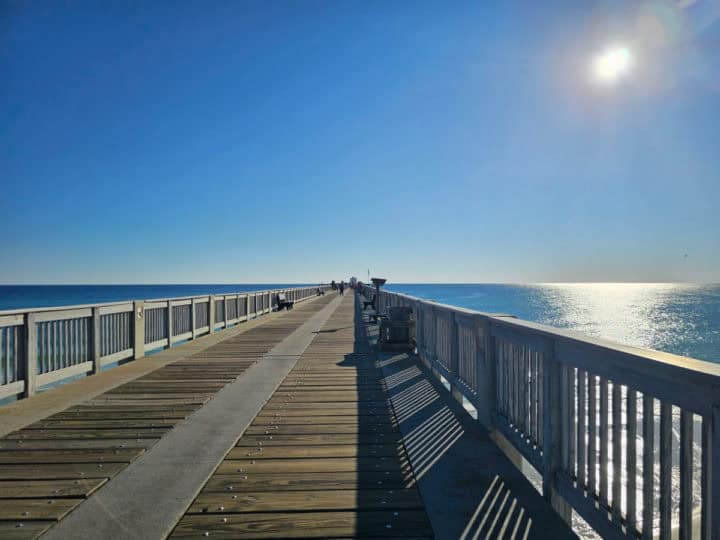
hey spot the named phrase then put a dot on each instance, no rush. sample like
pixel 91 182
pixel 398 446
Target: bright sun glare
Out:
pixel 612 64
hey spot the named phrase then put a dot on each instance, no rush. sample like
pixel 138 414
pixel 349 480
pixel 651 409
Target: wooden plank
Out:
pixel 316 451
pixel 382 524
pixel 59 444
pixel 307 481
pixel 48 434
pixel 281 501
pixel 44 489
pixel 23 530
pixel 76 455
pixel 369 420
pixel 73 471
pixel 320 429
pixel 314 439
pixel 302 465
pixel 104 424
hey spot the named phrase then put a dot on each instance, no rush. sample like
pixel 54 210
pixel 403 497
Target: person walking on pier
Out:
pixel 342 288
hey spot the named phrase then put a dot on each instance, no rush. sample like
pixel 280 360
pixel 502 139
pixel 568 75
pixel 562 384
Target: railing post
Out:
pixel 193 322
pixel 714 474
pixel 453 361
pixel 486 373
pixel 552 433
pixel 96 351
pixel 30 356
pixel 139 329
pixel 211 314
pixel 170 323
pixel 225 310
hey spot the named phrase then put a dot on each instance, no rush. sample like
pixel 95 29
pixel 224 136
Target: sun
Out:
pixel 612 64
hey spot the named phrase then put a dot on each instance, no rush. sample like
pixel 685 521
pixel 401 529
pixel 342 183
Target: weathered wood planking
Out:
pixel 322 459
pixel 51 466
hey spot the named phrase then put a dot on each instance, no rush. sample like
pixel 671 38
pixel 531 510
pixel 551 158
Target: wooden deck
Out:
pixel 324 457
pixel 351 444
pixel 50 467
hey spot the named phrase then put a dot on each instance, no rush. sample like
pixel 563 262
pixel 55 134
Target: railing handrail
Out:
pixel 704 367
pixel 565 401
pixel 42 346
pixel 19 311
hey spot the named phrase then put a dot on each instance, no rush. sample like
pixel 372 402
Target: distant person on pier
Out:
pixel 342 288
pixel 333 285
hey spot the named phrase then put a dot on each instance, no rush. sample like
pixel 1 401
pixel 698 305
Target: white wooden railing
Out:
pixel 41 346
pixel 628 438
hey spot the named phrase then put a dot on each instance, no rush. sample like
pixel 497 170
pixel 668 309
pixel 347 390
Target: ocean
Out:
pixel 27 296
pixel 678 318
pixel 673 317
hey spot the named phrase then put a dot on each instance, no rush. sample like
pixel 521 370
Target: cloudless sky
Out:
pixel 167 141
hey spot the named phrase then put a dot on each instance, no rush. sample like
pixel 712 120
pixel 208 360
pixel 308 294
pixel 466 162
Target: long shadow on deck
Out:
pixel 470 488
pixel 388 503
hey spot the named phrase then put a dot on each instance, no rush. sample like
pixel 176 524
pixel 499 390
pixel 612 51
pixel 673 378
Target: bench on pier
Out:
pixel 283 302
pixel 370 302
pixel 320 292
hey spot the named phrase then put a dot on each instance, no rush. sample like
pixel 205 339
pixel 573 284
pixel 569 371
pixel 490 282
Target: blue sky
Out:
pixel 299 141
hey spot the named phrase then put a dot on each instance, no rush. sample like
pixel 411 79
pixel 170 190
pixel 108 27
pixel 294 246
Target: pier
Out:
pixel 250 422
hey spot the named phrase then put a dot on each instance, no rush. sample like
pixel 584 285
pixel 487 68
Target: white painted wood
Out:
pixel 116 357
pixel 30 354
pixel 64 373
pixel 12 389
pixel 62 315
pixel 115 308
pixel 12 320
pixel 156 344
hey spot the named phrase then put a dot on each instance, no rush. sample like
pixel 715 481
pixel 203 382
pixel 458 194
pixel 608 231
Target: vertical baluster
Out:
pixel 513 383
pixel 706 479
pixel 56 344
pixel 532 359
pixel 72 351
pixel 522 381
pixel 631 461
pixel 541 399
pixel 16 353
pixel 571 420
pixel 648 465
pixel 116 332
pixel 581 428
pixel 506 358
pixel 686 470
pixel 603 462
pixel 665 470
pixel 564 422
pixel 5 353
pixel 62 343
pixel 500 375
pixel 617 450
pixel 592 434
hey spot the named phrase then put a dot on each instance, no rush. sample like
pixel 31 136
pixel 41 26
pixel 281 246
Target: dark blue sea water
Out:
pixel 673 317
pixel 26 296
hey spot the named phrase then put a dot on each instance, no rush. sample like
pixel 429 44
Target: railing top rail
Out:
pixel 120 302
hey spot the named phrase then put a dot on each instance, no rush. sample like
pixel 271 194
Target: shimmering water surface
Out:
pixel 672 317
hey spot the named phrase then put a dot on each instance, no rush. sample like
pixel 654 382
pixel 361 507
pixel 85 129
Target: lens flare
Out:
pixel 612 64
